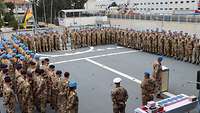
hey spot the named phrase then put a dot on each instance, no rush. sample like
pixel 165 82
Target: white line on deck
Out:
pixel 114 71
pixel 97 56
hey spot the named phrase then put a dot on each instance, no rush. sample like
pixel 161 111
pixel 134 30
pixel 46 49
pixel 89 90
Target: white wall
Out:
pixel 191 5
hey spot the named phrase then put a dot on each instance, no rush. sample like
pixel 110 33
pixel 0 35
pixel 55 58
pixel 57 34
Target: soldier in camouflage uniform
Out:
pixel 119 97
pixel 196 52
pixel 72 99
pixel 64 41
pixel 148 86
pixel 27 95
pixel 84 39
pixel 89 38
pixel 41 92
pixel 74 40
pixel 103 37
pixel 94 38
pixel 2 66
pixel 157 69
pixel 63 93
pixel 161 45
pixel 9 96
pixel 99 37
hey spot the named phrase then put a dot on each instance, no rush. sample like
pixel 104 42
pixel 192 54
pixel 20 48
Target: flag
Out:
pixel 27 16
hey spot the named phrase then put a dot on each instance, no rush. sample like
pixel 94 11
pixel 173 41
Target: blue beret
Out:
pixel 73 84
pixel 14 50
pixel 1 47
pixel 147 74
pixel 4 56
pixel 9 56
pixel 22 58
pixel 160 58
pixel 26 48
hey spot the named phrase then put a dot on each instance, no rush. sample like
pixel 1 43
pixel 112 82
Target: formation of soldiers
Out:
pixel 172 44
pixel 46 41
pixel 32 84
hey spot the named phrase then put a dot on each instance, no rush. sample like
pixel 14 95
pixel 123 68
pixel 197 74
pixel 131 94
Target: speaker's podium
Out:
pixel 165 78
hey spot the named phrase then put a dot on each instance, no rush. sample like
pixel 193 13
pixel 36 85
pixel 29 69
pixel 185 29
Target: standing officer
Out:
pixel 72 104
pixel 9 96
pixel 148 88
pixel 119 97
pixel 157 69
pixel 63 93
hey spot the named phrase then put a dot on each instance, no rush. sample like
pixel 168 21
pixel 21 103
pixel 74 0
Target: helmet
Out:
pixel 117 80
pixel 72 84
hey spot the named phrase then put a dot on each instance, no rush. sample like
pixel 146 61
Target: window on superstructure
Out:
pixel 141 3
pixel 181 8
pixel 193 1
pixel 152 3
pixel 161 2
pixel 176 2
pixel 170 8
pixel 144 8
pixel 157 3
pixel 187 8
pixel 149 3
pixel 166 2
pixel 181 2
pixel 165 8
pixel 171 2
pixel 176 8
pixel 141 9
pixel 152 8
pixel 161 8
pixel 187 1
pixel 156 8
pixel 144 3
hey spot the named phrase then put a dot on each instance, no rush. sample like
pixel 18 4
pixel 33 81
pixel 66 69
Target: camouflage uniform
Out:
pixel 119 98
pixel 62 96
pixel 157 69
pixel 64 41
pixel 27 98
pixel 9 99
pixel 94 38
pixel 148 89
pixel 161 45
pixel 72 102
pixel 89 38
pixel 196 52
pixel 54 92
pixel 1 84
pixel 98 37
pixel 189 50
pixel 41 94
pixel 74 40
pixel 103 37
pixel 84 39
